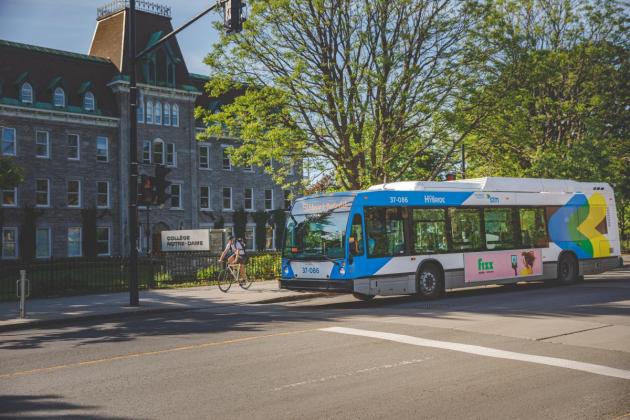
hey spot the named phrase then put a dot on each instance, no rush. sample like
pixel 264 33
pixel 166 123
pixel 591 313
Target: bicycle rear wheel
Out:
pixel 225 280
pixel 246 282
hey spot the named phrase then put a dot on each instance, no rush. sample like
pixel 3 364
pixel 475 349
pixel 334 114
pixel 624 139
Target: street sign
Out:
pixel 186 240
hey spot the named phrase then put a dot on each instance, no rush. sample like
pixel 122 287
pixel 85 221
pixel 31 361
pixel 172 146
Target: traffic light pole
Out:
pixel 235 7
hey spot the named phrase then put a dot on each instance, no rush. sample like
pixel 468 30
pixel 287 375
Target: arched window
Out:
pixel 158 152
pixel 59 98
pixel 175 116
pixel 26 93
pixel 149 112
pixel 158 113
pixel 167 114
pixel 88 101
pixel 140 111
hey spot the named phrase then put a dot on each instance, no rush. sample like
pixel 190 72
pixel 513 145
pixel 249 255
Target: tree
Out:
pixel 10 173
pixel 367 86
pixel 555 92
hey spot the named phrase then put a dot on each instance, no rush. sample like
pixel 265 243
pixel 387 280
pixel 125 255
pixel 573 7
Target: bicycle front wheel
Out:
pixel 225 280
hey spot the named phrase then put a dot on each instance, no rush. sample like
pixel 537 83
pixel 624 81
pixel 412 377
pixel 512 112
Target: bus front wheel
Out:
pixel 567 269
pixel 430 282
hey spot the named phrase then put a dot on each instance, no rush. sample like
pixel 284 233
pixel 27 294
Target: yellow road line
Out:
pixel 148 353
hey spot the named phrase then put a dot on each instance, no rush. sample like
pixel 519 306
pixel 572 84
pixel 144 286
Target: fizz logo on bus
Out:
pixel 433 199
pixel 484 265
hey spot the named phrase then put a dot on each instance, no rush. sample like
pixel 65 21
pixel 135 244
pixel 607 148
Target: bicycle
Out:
pixel 229 275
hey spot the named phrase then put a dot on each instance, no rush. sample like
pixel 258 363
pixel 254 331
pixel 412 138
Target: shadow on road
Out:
pixel 528 300
pixel 44 406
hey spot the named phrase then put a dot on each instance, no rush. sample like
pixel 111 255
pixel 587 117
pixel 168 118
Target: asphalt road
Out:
pixel 528 352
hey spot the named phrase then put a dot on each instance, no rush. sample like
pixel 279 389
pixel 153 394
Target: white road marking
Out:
pixel 353 373
pixel 486 351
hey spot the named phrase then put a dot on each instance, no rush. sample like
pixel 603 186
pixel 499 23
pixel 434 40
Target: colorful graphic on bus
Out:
pixel 484 266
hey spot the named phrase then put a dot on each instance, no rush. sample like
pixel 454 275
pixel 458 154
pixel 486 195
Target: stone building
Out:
pixel 64 119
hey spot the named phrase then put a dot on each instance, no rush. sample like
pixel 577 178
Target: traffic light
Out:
pixel 233 17
pixel 147 191
pixel 162 186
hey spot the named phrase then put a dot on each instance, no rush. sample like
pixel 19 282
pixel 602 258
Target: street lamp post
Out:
pixel 233 21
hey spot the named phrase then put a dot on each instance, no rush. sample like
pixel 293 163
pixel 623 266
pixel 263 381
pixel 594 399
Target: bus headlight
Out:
pixel 286 270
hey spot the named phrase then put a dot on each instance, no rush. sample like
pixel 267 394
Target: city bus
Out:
pixel 427 237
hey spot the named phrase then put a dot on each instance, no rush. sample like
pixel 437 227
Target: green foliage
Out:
pixel 333 81
pixel 278 219
pixel 264 266
pixel 209 273
pixel 10 173
pixel 554 104
pixel 261 218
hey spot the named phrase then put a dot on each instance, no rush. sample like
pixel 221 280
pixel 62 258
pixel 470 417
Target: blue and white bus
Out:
pixel 425 237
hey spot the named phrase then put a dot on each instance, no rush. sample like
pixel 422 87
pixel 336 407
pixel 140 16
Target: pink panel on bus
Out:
pixel 493 265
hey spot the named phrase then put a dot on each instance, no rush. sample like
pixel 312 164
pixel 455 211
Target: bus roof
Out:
pixel 498 184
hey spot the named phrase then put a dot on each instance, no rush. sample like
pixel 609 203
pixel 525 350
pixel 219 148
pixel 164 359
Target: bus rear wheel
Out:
pixel 567 270
pixel 430 282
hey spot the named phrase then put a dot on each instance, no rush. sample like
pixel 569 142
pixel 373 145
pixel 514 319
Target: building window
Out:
pixel 176 196
pixel 74 242
pixel 171 155
pixel 268 199
pixel 204 157
pixel 9 242
pixel 157 119
pixel 204 198
pixel 9 197
pixel 73 198
pixel 102 149
pixel 8 141
pixel 88 101
pixel 270 237
pixel 42 243
pixel 227 198
pixel 102 194
pixel 249 199
pixel 227 164
pixel 146 151
pixel 140 111
pixel 102 241
pixel 149 112
pixel 26 93
pixel 42 144
pixel 166 116
pixel 175 116
pixel 250 242
pixel 74 148
pixel 248 168
pixel 287 199
pixel 59 97
pixel 158 152
pixel 42 193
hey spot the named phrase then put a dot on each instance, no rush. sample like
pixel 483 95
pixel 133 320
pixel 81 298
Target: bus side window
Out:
pixel 533 228
pixel 385 231
pixel 499 228
pixel 356 236
pixel 465 228
pixel 429 231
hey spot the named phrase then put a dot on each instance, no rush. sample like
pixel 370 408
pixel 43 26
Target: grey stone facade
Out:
pixel 110 120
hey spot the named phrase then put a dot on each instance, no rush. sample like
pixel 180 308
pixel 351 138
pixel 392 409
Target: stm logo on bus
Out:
pixel 432 199
pixel 484 265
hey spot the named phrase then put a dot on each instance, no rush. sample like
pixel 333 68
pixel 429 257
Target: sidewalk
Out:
pixel 41 312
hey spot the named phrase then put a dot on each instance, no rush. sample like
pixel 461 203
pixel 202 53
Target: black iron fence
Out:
pixel 62 277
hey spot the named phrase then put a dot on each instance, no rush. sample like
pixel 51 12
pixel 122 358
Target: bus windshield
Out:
pixel 316 236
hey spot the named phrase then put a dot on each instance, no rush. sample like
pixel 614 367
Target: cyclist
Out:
pixel 235 253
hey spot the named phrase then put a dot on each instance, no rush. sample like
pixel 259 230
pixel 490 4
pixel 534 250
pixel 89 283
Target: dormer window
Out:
pixel 88 101
pixel 59 98
pixel 26 93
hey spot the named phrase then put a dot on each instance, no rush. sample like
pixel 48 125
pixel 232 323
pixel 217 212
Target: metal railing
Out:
pixel 144 6
pixel 72 276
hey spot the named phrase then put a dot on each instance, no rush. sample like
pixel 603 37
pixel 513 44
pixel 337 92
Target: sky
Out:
pixel 69 25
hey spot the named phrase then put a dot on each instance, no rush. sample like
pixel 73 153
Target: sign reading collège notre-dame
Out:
pixel 186 240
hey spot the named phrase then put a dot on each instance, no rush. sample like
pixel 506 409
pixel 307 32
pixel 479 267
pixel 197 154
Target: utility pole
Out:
pixel 233 23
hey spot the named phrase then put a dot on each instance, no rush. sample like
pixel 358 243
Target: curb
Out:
pixel 293 298
pixel 37 323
